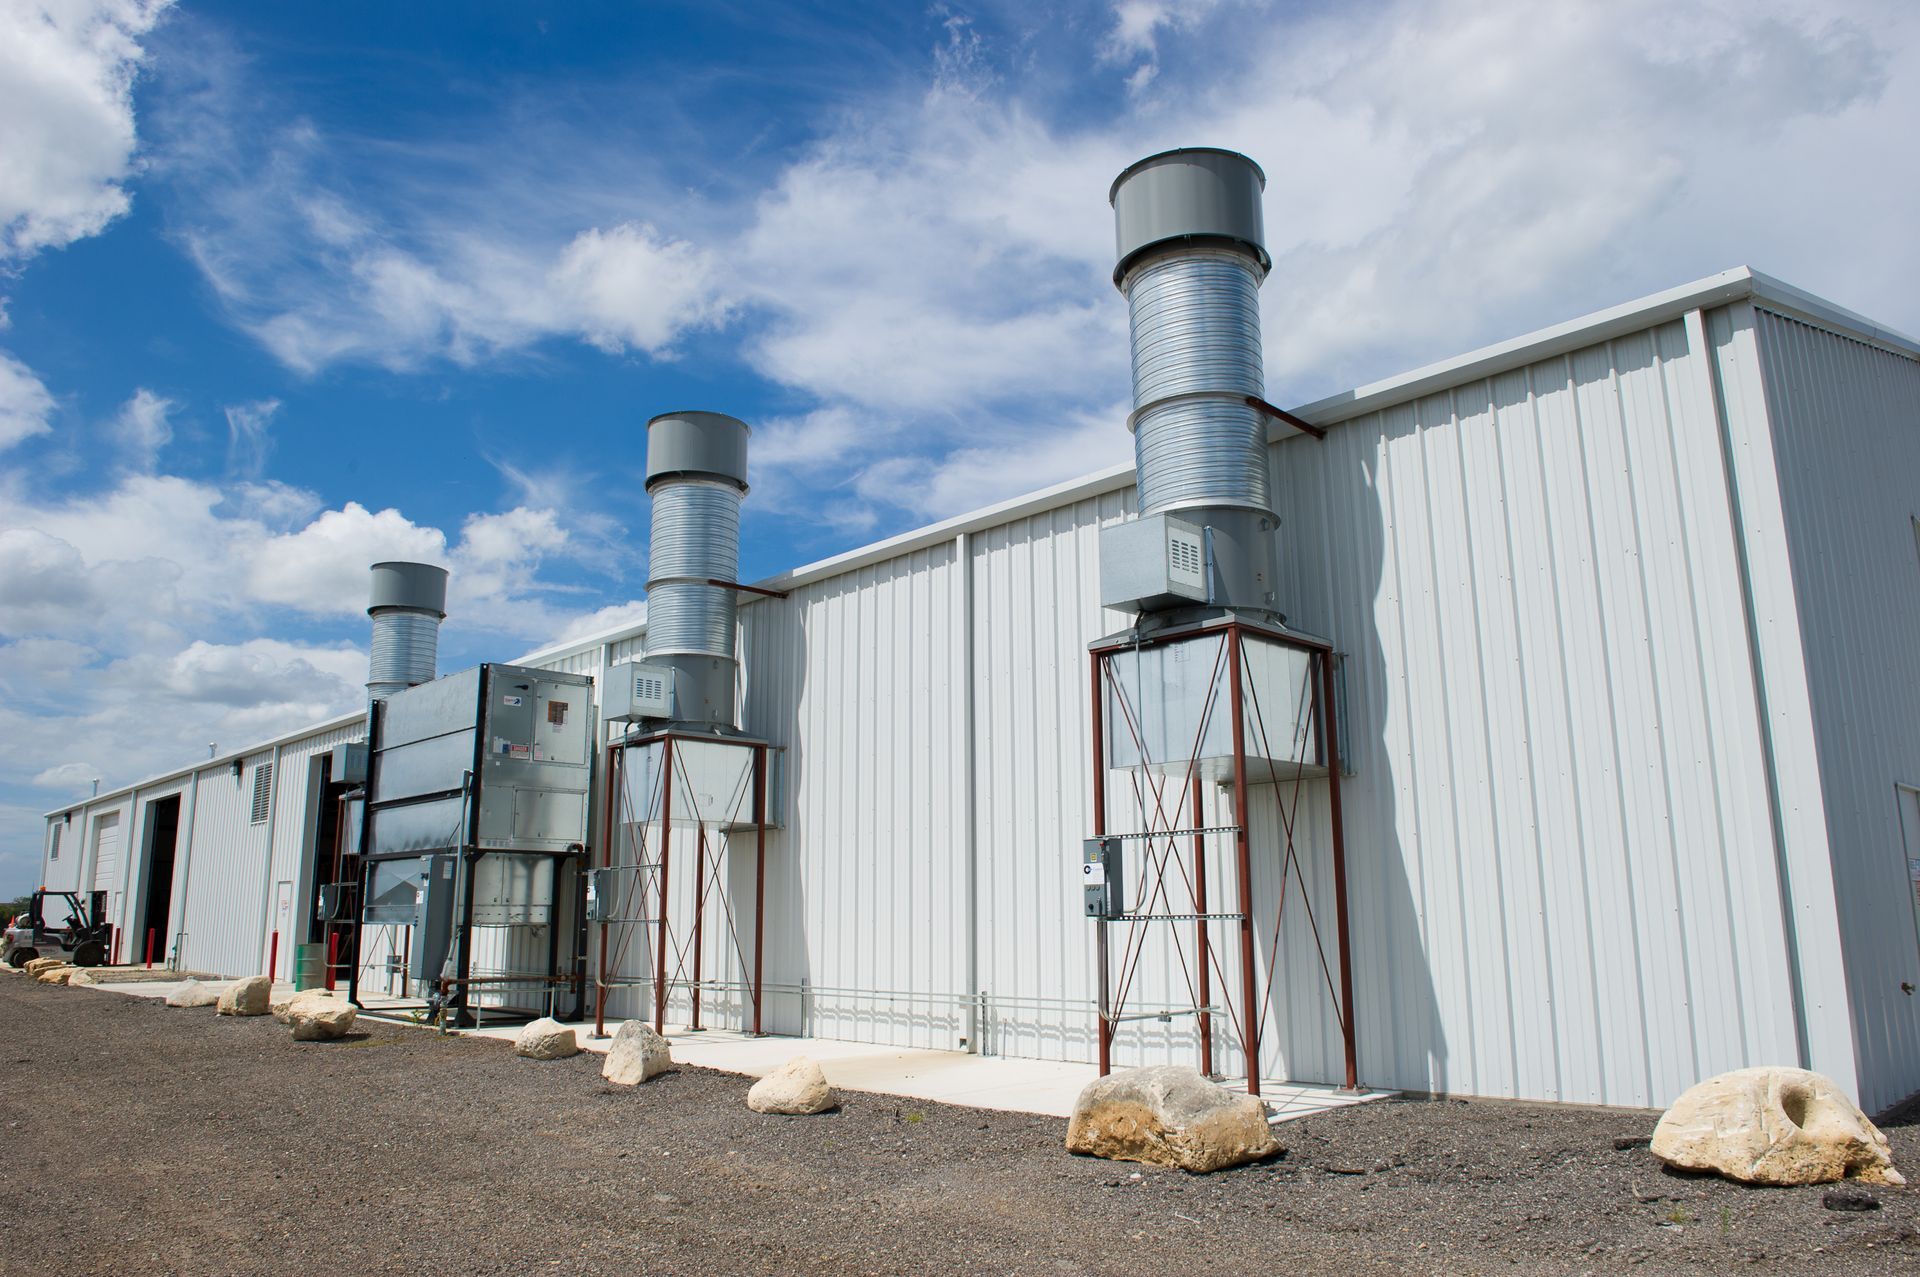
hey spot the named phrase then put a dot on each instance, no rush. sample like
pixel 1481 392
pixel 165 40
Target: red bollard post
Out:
pixel 273 956
pixel 113 955
pixel 149 948
pixel 333 956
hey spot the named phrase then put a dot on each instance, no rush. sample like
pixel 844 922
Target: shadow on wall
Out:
pixel 1333 555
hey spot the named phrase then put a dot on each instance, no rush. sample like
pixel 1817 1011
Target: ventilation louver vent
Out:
pixel 262 792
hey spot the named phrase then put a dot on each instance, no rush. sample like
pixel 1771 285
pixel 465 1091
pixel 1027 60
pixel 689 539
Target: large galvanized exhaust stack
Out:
pixel 1191 259
pixel 407 603
pixel 696 475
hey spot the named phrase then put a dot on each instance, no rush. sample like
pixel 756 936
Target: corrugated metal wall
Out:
pixel 860 676
pixel 1846 428
pixel 222 868
pixel 1557 831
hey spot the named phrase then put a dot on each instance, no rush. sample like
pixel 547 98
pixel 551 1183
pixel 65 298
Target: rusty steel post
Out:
pixel 1099 831
pixel 666 855
pixel 759 872
pixel 1243 849
pixel 1200 927
pixel 699 910
pixel 1330 738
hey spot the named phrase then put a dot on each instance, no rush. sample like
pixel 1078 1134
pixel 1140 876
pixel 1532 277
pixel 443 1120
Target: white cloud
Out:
pixel 25 405
pixel 630 287
pixel 142 428
pixel 73 777
pixel 249 437
pixel 66 92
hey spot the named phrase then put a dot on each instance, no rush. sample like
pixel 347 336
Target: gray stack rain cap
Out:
pixel 414 587
pixel 1190 196
pixel 407 602
pixel 697 445
pixel 696 476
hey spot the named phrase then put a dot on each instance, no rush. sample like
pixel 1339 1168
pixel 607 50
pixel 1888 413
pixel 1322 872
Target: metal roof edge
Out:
pixel 218 760
pixel 1544 343
pixel 1112 479
pixel 1777 294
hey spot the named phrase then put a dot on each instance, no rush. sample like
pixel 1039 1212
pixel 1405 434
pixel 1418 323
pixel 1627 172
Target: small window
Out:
pixel 55 853
pixel 262 792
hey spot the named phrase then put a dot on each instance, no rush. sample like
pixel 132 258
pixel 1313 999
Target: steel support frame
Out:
pixel 614 770
pixel 1111 1014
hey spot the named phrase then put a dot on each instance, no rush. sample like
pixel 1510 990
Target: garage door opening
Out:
pixel 163 835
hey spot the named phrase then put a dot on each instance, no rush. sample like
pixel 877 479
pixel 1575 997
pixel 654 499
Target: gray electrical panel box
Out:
pixel 1101 877
pixel 349 763
pixel 1157 561
pixel 635 690
pixel 433 915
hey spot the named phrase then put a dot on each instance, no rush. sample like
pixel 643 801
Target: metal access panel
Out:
pixel 512 891
pixel 1163 700
pixel 1151 563
pixel 536 769
pixel 500 749
pixel 635 690
pixel 349 764
pixel 394 891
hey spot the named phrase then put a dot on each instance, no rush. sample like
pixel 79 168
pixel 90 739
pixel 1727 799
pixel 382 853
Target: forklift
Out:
pixel 81 937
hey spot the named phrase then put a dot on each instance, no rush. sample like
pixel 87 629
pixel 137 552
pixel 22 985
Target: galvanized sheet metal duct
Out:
pixel 696 475
pixel 1190 263
pixel 407 603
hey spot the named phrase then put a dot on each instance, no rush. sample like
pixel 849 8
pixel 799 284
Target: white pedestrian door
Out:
pixel 283 928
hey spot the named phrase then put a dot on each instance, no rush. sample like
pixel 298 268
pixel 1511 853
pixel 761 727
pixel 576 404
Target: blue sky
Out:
pixel 290 288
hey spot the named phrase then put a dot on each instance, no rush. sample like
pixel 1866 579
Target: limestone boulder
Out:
pixel 37 965
pixel 318 1016
pixel 55 974
pixel 796 1087
pixel 192 993
pixel 250 996
pixel 82 976
pixel 1169 1116
pixel 1773 1126
pixel 637 1054
pixel 546 1039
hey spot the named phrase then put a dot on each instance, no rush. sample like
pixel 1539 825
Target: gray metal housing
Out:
pixel 1192 195
pixel 692 445
pixel 407 602
pixel 1191 259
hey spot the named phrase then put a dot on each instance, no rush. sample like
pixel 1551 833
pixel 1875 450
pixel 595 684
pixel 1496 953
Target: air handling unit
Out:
pixel 1208 696
pixel 469 832
pixel 685 780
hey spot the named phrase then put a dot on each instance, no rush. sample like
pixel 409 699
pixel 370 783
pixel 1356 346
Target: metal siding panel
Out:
pixel 1550 716
pixel 1846 426
pixel 218 930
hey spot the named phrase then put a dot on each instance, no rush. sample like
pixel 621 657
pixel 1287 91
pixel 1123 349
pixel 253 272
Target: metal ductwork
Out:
pixel 407 603
pixel 696 475
pixel 1190 262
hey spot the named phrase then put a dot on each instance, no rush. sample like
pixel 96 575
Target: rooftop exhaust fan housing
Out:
pixel 407 602
pixel 696 476
pixel 1190 258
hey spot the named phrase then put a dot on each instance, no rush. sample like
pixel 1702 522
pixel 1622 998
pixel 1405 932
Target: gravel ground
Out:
pixel 145 1139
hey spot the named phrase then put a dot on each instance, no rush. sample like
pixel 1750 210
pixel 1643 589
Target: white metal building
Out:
pixel 1632 723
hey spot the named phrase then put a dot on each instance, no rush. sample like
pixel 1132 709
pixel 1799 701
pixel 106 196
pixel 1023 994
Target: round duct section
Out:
pixel 407 602
pixel 1191 257
pixel 696 475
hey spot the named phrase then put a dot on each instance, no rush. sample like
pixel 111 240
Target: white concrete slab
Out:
pixel 1045 1087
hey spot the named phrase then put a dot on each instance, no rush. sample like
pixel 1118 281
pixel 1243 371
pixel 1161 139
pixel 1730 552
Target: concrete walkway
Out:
pixel 1044 1087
